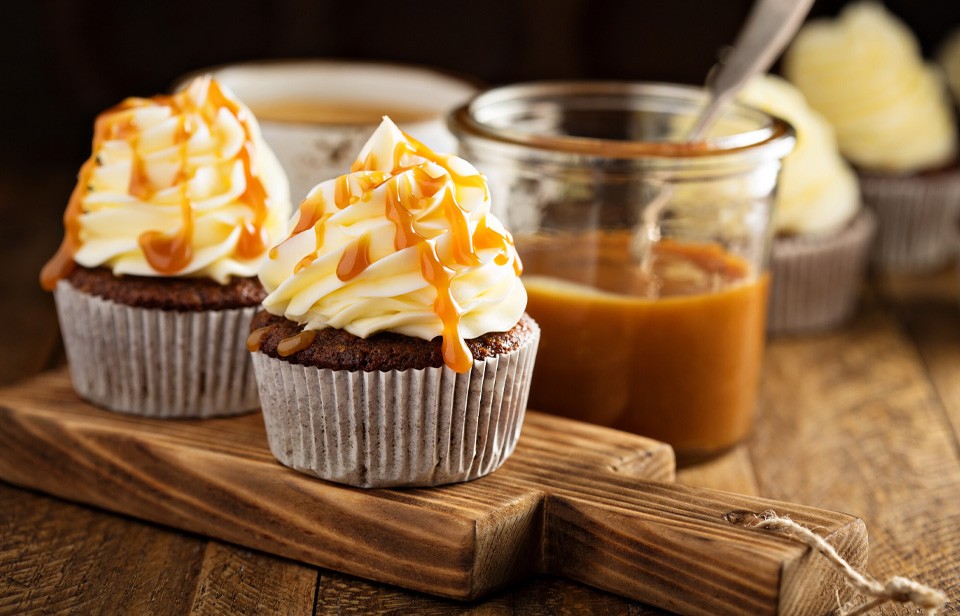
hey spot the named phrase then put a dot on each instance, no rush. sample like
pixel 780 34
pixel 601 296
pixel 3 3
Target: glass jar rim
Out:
pixel 774 137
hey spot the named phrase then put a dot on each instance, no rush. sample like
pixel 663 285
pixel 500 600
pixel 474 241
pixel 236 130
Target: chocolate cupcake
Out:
pixel 393 349
pixel 894 123
pixel 155 280
pixel 822 235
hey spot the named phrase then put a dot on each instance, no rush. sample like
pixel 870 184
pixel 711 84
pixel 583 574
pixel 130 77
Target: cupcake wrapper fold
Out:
pixel 157 363
pixel 917 219
pixel 399 428
pixel 815 282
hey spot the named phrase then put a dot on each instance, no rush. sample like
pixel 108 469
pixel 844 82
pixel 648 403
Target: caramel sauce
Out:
pixel 252 241
pixel 673 352
pixel 255 339
pixel 61 264
pixel 310 258
pixel 311 211
pixel 166 253
pixel 456 354
pixel 405 235
pixel 355 259
pixel 462 246
pixel 297 342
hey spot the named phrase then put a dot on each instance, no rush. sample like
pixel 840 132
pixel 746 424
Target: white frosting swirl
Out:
pixel 818 191
pixel 157 161
pixel 443 206
pixel 864 72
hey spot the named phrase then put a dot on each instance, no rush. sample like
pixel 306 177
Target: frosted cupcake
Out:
pixel 949 59
pixel 822 234
pixel 894 122
pixel 155 281
pixel 393 349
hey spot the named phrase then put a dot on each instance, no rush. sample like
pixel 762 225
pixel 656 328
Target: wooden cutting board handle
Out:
pixel 575 500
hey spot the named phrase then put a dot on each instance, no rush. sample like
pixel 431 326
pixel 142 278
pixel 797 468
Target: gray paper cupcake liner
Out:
pixel 396 428
pixel 917 219
pixel 157 363
pixel 815 282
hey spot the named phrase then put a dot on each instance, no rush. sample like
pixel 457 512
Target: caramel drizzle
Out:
pixel 296 342
pixel 166 253
pixel 255 339
pixel 456 354
pixel 287 346
pixel 355 259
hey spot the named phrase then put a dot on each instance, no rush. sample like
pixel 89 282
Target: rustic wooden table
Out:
pixel 865 420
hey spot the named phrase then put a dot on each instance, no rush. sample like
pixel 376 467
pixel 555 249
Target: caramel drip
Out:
pixel 170 253
pixel 62 264
pixel 252 241
pixel 398 213
pixel 485 238
pixel 311 211
pixel 297 342
pixel 342 195
pixel 462 245
pixel 428 185
pixel 166 253
pixel 355 259
pixel 255 339
pixel 139 186
pixel 456 354
pixel 310 258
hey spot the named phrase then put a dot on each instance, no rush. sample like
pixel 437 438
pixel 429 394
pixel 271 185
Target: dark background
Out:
pixel 65 60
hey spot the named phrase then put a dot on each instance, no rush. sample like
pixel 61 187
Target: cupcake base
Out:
pixel 816 281
pixel 157 363
pixel 416 427
pixel 917 218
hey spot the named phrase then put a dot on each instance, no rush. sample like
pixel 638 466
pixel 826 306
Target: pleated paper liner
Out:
pixel 396 428
pixel 917 218
pixel 815 281
pixel 157 363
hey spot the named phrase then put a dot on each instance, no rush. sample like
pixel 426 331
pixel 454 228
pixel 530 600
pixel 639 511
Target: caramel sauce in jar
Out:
pixel 672 352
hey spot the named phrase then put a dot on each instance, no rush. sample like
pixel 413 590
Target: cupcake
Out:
pixel 822 234
pixel 894 122
pixel 949 59
pixel 155 281
pixel 393 349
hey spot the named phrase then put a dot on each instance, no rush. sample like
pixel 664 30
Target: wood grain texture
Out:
pixel 234 580
pixel 55 552
pixel 568 503
pixel 869 433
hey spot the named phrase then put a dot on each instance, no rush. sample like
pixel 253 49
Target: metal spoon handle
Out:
pixel 770 26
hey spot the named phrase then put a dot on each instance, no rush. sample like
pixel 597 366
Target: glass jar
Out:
pixel 645 257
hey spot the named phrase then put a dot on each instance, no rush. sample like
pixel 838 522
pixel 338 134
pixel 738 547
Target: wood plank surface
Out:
pixel 871 435
pixel 568 503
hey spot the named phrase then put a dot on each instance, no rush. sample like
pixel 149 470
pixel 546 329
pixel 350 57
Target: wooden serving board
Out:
pixel 575 500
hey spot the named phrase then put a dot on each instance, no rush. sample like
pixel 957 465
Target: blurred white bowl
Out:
pixel 316 114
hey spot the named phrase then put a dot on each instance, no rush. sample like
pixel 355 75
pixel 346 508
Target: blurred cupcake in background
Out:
pixel 863 71
pixel 823 235
pixel 949 59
